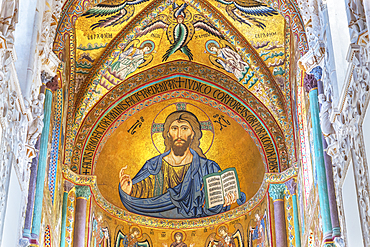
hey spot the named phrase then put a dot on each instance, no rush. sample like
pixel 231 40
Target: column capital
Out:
pixel 317 72
pixel 83 191
pixel 67 186
pixel 309 82
pixel 291 185
pixel 313 57
pixel 276 191
pixel 53 84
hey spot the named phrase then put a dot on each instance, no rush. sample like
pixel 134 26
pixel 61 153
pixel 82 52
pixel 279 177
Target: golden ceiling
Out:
pixel 129 64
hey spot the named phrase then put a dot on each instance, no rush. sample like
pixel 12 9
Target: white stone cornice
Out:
pixel 313 57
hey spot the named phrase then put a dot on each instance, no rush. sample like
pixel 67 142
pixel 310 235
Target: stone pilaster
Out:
pixel 276 192
pixel 82 195
pixel 68 186
pixel 292 187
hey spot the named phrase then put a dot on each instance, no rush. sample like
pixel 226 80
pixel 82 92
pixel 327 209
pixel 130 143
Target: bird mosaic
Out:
pixel 244 10
pixel 122 12
pixel 180 27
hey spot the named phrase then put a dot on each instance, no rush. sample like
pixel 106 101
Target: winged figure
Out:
pixel 133 239
pixel 223 238
pixel 180 27
pixel 118 13
pixel 132 57
pixel 224 56
pixel 248 11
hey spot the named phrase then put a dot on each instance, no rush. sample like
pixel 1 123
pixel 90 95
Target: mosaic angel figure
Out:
pixel 248 11
pixel 132 58
pixel 224 55
pixel 133 239
pixel 180 27
pixel 223 238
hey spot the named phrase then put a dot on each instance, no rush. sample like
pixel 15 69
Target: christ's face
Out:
pixel 180 134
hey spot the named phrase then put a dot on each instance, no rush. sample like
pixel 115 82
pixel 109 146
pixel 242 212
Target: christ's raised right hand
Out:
pixel 125 181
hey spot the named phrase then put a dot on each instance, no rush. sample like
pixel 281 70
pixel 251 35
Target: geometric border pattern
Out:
pixel 47 237
pixel 53 164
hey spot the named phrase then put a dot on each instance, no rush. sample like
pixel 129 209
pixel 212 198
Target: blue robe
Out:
pixel 186 200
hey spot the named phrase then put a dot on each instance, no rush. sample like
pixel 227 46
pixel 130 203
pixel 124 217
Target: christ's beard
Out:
pixel 179 150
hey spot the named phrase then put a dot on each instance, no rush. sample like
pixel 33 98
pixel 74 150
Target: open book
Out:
pixel 217 185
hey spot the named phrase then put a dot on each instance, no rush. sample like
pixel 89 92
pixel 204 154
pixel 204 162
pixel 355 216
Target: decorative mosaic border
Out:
pixel 53 165
pixel 289 218
pixel 290 131
pixel 71 96
pixel 173 223
pixel 281 177
pixel 47 237
pixel 305 150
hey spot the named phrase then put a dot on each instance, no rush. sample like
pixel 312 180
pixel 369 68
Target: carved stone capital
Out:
pixel 83 192
pixel 317 72
pixel 45 77
pixel 276 191
pixel 309 82
pixel 291 185
pixel 313 57
pixel 53 84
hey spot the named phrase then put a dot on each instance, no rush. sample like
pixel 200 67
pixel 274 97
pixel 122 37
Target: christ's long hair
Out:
pixel 195 125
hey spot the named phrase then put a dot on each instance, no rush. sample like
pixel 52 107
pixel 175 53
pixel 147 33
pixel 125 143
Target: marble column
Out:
pixel 67 187
pixel 326 126
pixel 82 195
pixel 292 187
pixel 31 195
pixel 51 86
pixel 276 192
pixel 310 84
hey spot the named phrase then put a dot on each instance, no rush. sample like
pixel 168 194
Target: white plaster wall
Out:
pixel 13 209
pixel 23 38
pixel 351 212
pixel 340 38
